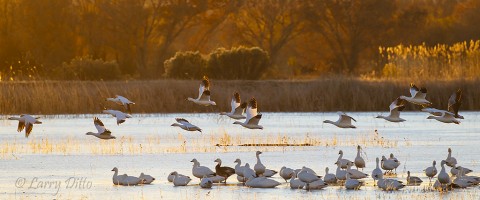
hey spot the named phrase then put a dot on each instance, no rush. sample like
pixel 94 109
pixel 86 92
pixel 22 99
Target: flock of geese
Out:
pixel 306 178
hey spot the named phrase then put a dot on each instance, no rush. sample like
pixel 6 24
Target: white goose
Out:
pixel 450 161
pixel 359 161
pixel 431 171
pixel 203 94
pixel 147 179
pixel 417 96
pixel 316 185
pixel 206 183
pixel 180 180
pixel 388 164
pixel 172 175
pixel 443 176
pixel 259 167
pixel 296 183
pixel 343 162
pixel 125 179
pixel 355 174
pixel 395 108
pixel 329 178
pixel 397 162
pixel 185 125
pixel 121 116
pixel 102 133
pixel 201 171
pixel 261 182
pixel 247 171
pixel 286 173
pixel 413 180
pixel 237 108
pixel 340 174
pixel 454 103
pixel 26 122
pixel 446 117
pixel 344 121
pixel 390 184
pixel 123 102
pixel 238 168
pixel 352 184
pixel 253 118
pixel 377 172
pixel 307 178
pixel 116 178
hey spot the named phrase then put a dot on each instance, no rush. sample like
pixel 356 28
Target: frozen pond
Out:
pixel 58 149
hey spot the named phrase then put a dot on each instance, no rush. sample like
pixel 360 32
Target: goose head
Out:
pixel 258 153
pixel 326 170
pixel 434 163
pixel 90 133
pixel 247 165
pixel 391 155
pixel 443 163
pixel 384 158
pixel 237 122
pixel 115 169
pixel 175 173
pixel 408 173
pixel 449 150
pixel 237 161
pixel 175 124
pixel 328 121
pixel 218 161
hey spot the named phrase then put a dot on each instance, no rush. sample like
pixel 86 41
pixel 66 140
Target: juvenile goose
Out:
pixel 206 183
pixel 253 118
pixel 147 179
pixel 446 117
pixel 343 162
pixel 296 183
pixel 395 108
pixel 185 125
pixel 102 133
pixel 355 174
pixel 119 115
pixel 329 178
pixel 286 173
pixel 172 175
pixel 344 121
pixel 203 94
pixel 443 177
pixel 352 184
pixel 201 171
pixel 413 180
pixel 261 182
pixel 223 171
pixel 450 161
pixel 359 162
pixel 26 122
pixel 237 108
pixel 431 171
pixel 123 102
pixel 417 96
pixel 180 180
pixel 377 172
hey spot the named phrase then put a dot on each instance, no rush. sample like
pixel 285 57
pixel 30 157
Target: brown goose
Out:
pixel 223 171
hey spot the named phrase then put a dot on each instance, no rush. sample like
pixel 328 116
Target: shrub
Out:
pixel 238 63
pixel 185 65
pixel 87 68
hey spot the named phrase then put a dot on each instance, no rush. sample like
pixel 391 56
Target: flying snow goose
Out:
pixel 431 171
pixel 454 103
pixel 352 184
pixel 123 102
pixel 252 118
pixel 417 96
pixel 446 117
pixel 102 133
pixel 201 171
pixel 413 180
pixel 377 172
pixel 450 161
pixel 359 161
pixel 203 94
pixel 223 171
pixel 286 173
pixel 395 108
pixel 147 179
pixel 172 175
pixel 343 162
pixel 344 121
pixel 185 125
pixel 329 178
pixel 26 122
pixel 206 183
pixel 355 174
pixel 180 180
pixel 261 182
pixel 237 108
pixel 121 116
pixel 296 183
pixel 443 176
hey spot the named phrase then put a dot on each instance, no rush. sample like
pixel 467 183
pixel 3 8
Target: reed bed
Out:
pixel 169 96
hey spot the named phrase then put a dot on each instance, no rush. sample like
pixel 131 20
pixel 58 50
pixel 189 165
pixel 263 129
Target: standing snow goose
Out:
pixel 431 171
pixel 238 168
pixel 397 162
pixel 352 184
pixel 253 117
pixel 247 171
pixel 26 122
pixel 259 167
pixel 237 108
pixel 307 178
pixel 203 94
pixel 355 174
pixel 102 133
pixel 417 96
pixel 413 180
pixel 450 161
pixel 443 176
pixel 446 117
pixel 359 162
pixel 329 178
pixel 201 171
pixel 388 164
pixel 223 171
pixel 286 173
pixel 147 179
pixel 180 180
pixel 395 108
pixel 121 116
pixel 344 121
pixel 123 102
pixel 340 173
pixel 185 125
pixel 343 162
pixel 377 172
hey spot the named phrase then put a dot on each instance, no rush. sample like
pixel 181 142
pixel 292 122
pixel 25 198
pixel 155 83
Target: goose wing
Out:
pixel 455 101
pixel 28 128
pixel 99 125
pixel 433 111
pixel 185 123
pixel 239 110
pixel 21 125
pixel 205 85
pixel 121 117
pixel 235 101
pixel 418 93
pixel 205 96
pixel 251 109
pixel 398 104
pixel 344 118
pixel 395 113
pixel 255 120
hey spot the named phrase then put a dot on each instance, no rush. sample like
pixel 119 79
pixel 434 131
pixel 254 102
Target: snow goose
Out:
pixel 253 117
pixel 223 171
pixel 286 173
pixel 460 182
pixel 247 171
pixel 172 175
pixel 201 171
pixel 180 180
pixel 185 125
pixel 147 179
pixel 117 179
pixel 397 162
pixel 456 169
pixel 450 161
pixel 316 185
pixel 343 162
pixel 388 164
pixel 355 174
pixel 237 108
pixel 296 183
pixel 473 179
pixel 206 183
pixel 446 117
pixel 238 168
pixel 329 178
pixel 352 184
pixel 203 94
pixel 377 172
pixel 417 96
pixel 26 122
pixel 125 179
pixel 431 171
pixel 443 177
pixel 123 102
pixel 340 174
pixel 121 116
pixel 344 121
pixel 359 162
pixel 259 167
pixel 454 103
pixel 102 133
pixel 395 108
pixel 306 177
pixel 217 179
pixel 261 182
pixel 390 184
pixel 413 180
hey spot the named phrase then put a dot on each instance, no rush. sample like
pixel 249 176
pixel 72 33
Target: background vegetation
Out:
pixel 139 39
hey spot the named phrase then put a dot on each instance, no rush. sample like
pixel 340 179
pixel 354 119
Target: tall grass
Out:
pixel 167 96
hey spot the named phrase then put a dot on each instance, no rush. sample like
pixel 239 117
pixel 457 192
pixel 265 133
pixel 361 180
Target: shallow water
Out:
pixel 58 149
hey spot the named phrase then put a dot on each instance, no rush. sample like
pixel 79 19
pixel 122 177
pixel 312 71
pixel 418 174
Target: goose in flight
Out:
pixel 103 133
pixel 185 125
pixel 454 103
pixel 395 108
pixel 344 121
pixel 417 96
pixel 26 122
pixel 121 116
pixel 446 117
pixel 237 108
pixel 123 102
pixel 203 94
pixel 253 118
